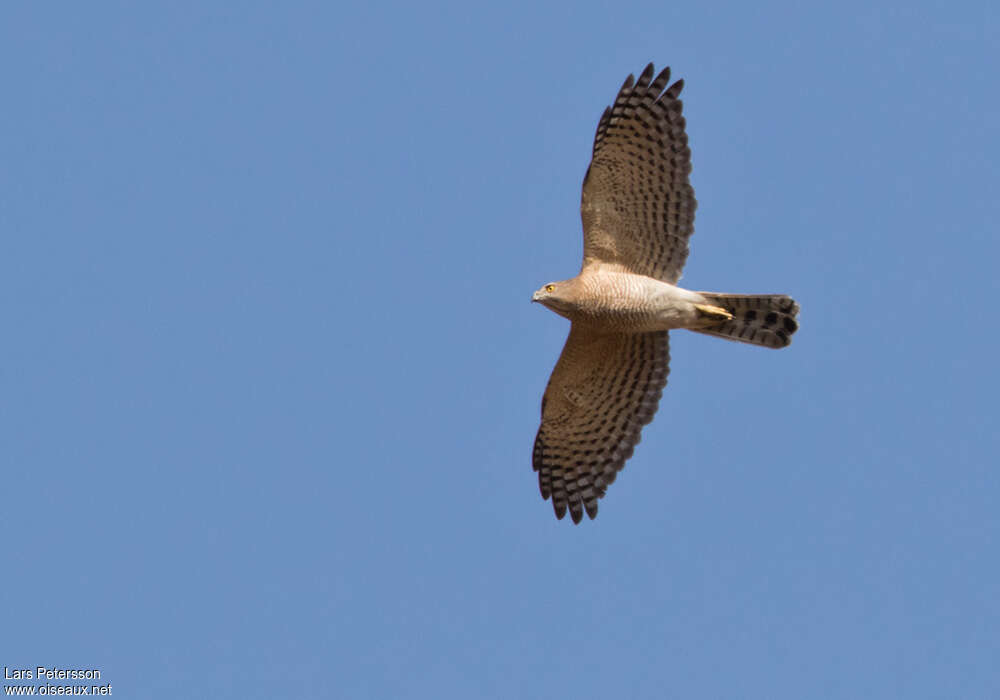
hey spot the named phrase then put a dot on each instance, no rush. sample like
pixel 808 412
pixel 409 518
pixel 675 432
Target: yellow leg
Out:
pixel 712 314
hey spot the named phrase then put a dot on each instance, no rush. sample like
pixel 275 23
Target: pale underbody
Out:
pixel 619 301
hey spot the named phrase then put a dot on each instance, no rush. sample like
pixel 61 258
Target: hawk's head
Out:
pixel 556 296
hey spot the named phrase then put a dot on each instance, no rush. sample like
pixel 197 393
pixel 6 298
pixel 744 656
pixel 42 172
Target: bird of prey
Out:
pixel 638 213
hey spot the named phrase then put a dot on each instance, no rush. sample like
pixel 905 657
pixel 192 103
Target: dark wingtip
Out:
pixel 646 77
pixel 661 80
pixel 674 90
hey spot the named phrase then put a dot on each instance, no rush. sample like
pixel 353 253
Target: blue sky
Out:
pixel 271 376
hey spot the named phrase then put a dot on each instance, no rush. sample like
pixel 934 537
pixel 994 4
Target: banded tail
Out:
pixel 758 319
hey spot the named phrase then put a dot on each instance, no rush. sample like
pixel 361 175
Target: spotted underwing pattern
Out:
pixel 638 205
pixel 594 411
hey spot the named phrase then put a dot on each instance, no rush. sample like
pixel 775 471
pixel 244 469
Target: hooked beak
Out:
pixel 535 297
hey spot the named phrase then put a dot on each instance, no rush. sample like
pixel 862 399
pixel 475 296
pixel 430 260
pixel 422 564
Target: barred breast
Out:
pixel 627 302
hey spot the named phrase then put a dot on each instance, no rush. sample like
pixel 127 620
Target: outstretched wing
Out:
pixel 604 388
pixel 638 206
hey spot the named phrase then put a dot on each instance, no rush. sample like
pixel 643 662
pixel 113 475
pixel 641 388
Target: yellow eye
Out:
pixel 550 288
